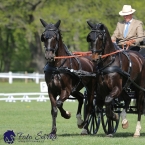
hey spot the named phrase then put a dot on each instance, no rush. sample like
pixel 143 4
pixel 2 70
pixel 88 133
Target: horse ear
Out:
pixel 90 24
pixel 57 24
pixel 43 23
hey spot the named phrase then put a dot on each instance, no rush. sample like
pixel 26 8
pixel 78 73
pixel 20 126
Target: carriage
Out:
pixel 66 74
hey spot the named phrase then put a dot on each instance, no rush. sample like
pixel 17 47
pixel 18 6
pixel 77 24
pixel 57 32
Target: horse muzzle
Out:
pixel 96 57
pixel 49 56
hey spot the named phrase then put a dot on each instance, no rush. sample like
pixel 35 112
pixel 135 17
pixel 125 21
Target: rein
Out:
pixel 76 54
pixel 80 54
pixel 103 56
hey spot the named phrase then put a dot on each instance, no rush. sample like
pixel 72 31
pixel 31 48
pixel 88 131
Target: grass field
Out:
pixel 18 87
pixel 34 120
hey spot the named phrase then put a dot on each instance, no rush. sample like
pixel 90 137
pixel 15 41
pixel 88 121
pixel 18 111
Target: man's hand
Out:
pixel 128 43
pixel 114 41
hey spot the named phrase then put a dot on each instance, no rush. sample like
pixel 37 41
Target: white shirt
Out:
pixel 126 24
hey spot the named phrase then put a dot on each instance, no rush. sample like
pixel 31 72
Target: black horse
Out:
pixel 116 72
pixel 59 76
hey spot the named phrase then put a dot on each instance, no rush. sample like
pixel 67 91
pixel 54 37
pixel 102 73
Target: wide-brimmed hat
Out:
pixel 126 10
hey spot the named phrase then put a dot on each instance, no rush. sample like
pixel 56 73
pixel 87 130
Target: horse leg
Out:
pixel 109 113
pixel 54 111
pixel 90 97
pixel 124 120
pixel 59 103
pixel 140 109
pixel 64 114
pixel 127 100
pixel 138 129
pixel 80 98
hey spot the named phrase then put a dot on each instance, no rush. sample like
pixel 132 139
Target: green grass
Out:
pixel 31 118
pixel 18 87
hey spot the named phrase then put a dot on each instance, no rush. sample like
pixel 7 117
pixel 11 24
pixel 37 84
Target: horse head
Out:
pixel 50 37
pixel 97 39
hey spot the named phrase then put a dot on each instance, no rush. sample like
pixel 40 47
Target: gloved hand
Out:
pixel 128 43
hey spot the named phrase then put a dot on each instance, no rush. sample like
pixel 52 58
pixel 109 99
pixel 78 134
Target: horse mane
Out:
pixel 108 38
pixel 65 46
pixel 106 30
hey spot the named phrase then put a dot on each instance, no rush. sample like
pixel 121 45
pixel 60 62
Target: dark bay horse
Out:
pixel 60 81
pixel 117 72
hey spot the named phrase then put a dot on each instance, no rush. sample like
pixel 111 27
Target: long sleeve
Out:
pixel 135 32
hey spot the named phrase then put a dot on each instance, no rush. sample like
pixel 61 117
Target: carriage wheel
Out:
pixel 109 126
pixel 94 118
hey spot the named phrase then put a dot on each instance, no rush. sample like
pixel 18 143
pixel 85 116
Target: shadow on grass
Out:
pixel 91 135
pixel 127 134
pixel 118 135
pixel 66 135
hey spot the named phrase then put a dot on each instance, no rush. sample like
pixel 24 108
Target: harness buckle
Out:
pixel 100 56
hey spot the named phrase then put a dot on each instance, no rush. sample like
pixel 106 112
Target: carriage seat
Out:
pixel 142 48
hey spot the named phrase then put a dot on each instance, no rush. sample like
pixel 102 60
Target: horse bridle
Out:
pixel 57 36
pixel 103 34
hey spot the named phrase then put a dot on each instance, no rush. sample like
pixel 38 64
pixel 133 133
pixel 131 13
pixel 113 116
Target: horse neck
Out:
pixel 61 52
pixel 109 47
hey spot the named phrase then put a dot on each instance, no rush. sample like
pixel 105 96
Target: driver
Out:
pixel 129 33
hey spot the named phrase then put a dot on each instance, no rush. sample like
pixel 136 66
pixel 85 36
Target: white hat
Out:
pixel 126 10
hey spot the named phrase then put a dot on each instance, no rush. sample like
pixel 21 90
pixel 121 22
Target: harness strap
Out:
pixel 113 69
pixel 129 68
pixel 57 70
pixel 49 69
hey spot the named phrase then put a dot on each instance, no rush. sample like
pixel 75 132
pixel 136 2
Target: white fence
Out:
pixel 42 96
pixel 13 97
pixel 26 97
pixel 10 76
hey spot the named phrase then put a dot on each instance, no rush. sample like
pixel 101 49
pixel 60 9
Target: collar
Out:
pixel 129 21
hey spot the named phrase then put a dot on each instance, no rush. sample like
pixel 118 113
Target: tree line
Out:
pixel 20 29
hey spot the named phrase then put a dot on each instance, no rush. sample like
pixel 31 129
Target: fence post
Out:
pixel 37 78
pixel 26 79
pixel 10 78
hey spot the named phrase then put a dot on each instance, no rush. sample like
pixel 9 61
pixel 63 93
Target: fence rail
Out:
pixel 10 76
pixel 27 97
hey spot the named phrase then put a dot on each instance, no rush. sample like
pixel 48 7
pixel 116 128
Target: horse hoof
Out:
pixel 136 136
pixel 80 122
pixel 68 114
pixel 81 126
pixel 84 132
pixel 125 124
pixel 52 136
pixel 109 135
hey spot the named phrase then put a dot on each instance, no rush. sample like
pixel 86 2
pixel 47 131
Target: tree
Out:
pixel 20 27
